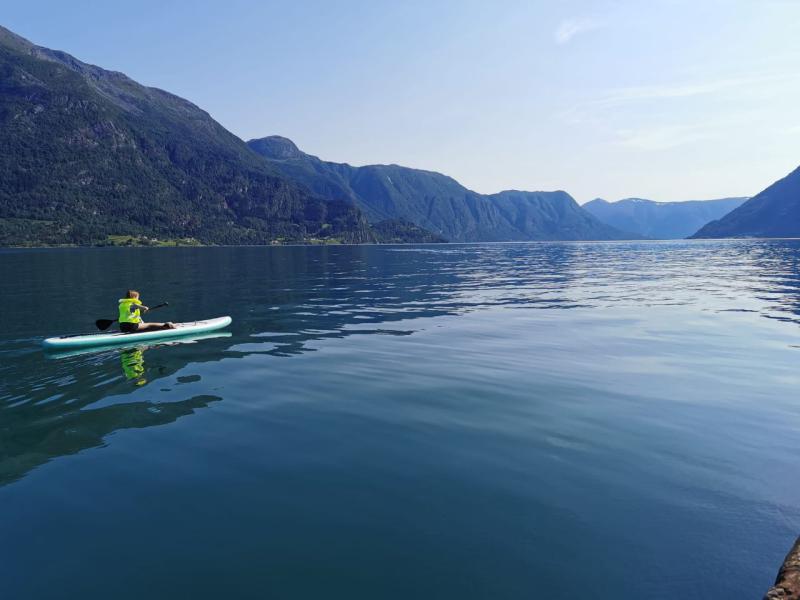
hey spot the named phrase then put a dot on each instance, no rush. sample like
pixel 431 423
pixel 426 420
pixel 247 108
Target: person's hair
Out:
pixel 132 294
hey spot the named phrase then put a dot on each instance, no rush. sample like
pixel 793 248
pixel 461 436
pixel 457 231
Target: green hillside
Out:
pixel 436 202
pixel 88 153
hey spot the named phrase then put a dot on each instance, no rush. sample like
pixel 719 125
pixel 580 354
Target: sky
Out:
pixel 663 99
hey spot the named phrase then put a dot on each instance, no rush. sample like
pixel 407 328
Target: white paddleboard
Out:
pixel 106 339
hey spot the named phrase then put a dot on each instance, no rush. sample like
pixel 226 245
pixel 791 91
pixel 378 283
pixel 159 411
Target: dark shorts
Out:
pixel 128 327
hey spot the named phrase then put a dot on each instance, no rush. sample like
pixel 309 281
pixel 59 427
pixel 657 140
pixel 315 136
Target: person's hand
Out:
pixel 144 308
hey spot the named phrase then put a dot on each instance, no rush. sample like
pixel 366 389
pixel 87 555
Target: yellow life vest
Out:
pixel 126 315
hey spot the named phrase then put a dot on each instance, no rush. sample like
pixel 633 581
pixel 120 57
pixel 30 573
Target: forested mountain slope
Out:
pixel 775 212
pixel 436 202
pixel 86 153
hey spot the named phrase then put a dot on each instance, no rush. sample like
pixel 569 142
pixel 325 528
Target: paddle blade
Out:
pixel 103 324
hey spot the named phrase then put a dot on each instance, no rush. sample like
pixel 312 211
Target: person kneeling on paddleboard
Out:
pixel 130 317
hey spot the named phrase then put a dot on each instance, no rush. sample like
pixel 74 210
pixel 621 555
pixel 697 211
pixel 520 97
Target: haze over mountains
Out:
pixel 89 155
pixel 774 212
pixel 661 220
pixel 436 202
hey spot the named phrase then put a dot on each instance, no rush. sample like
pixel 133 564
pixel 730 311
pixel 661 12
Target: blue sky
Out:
pixel 664 99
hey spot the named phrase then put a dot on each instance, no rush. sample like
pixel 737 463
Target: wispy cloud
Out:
pixel 627 101
pixel 569 28
pixel 684 90
pixel 662 138
pixel 668 115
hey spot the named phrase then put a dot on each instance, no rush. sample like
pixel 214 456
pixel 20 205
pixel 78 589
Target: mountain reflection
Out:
pixel 55 413
pixel 285 300
pixel 30 439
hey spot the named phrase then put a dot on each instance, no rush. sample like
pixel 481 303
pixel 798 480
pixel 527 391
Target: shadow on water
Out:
pixel 56 416
pixel 285 300
pixel 282 300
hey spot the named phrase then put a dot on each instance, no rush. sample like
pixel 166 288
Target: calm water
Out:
pixel 614 420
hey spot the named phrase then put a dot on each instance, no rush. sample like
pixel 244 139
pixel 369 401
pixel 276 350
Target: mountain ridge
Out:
pixel 437 202
pixel 89 154
pixel 661 220
pixel 772 213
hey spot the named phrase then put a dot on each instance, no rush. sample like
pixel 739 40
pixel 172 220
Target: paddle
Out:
pixel 103 324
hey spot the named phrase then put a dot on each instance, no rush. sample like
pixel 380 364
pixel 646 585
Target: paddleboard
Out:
pixel 58 354
pixel 107 339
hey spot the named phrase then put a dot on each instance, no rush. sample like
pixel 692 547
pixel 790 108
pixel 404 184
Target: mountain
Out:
pixel 87 154
pixel 661 220
pixel 436 202
pixel 399 231
pixel 775 212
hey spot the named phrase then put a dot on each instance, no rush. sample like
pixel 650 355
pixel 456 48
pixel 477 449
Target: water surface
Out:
pixel 615 420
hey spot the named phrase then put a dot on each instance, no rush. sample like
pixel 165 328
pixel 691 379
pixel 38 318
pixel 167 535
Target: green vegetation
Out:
pixel 129 240
pixel 400 231
pixel 435 202
pixel 89 155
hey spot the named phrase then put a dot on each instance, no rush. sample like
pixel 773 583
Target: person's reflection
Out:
pixel 133 365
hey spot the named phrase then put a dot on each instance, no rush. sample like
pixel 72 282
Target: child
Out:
pixel 130 319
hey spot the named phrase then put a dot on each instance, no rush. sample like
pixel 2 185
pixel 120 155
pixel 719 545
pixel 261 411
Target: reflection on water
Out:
pixel 133 365
pixel 284 299
pixel 48 434
pixel 56 418
pixel 392 394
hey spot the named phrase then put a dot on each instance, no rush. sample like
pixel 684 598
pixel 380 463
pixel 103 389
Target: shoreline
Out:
pixel 318 244
pixel 787 583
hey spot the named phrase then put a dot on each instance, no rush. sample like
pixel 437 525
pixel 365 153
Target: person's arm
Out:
pixel 140 307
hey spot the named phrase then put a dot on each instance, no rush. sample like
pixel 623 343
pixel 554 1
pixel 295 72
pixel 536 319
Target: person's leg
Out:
pixel 154 326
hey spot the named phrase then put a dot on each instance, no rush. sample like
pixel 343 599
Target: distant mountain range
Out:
pixel 775 212
pixel 89 156
pixel 436 202
pixel 661 220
